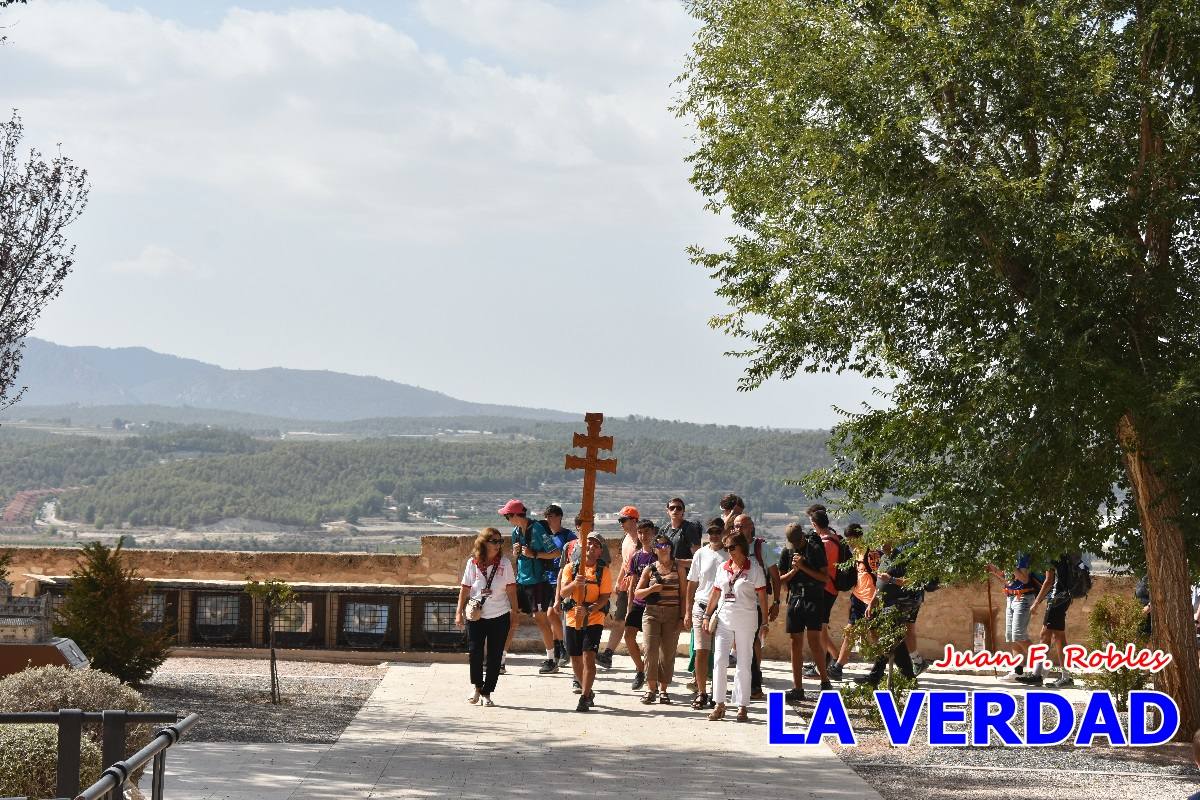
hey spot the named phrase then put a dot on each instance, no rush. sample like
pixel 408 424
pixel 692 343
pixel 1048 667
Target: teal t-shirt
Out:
pixel 537 536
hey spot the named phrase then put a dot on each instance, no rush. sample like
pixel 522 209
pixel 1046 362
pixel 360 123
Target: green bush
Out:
pixel 29 761
pixel 1117 619
pixel 52 688
pixel 102 613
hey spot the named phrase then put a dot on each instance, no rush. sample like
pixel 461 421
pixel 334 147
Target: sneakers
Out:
pixel 582 705
pixel 487 701
pixel 794 696
pixel 919 665
pixel 835 671
pixel 1011 677
pixel 1063 682
pixel 865 680
pixel 1029 680
pixel 639 680
pixel 564 660
pixel 576 688
pixel 548 667
pixel 810 671
pixel 591 699
pixel 826 686
pixel 605 659
pixel 503 668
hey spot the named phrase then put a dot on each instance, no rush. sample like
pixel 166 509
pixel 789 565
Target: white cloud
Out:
pixel 156 261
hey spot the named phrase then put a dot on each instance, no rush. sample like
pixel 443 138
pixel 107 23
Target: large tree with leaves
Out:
pixel 992 207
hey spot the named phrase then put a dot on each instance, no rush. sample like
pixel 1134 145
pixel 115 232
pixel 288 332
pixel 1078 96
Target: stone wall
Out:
pixel 948 615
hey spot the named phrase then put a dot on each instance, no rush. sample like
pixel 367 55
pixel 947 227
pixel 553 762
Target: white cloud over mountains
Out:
pixel 440 184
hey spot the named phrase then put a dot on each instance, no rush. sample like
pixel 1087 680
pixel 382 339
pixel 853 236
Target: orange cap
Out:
pixel 629 512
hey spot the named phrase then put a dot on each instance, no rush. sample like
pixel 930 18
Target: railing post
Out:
pixel 113 746
pixel 70 731
pixel 159 775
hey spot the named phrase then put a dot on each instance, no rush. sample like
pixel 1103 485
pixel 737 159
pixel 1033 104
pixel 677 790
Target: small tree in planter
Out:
pixel 274 594
pixel 1116 618
pixel 104 615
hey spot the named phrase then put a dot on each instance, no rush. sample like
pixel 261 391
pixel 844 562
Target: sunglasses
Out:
pixel 674 508
pixel 509 516
pixel 662 544
pixel 495 541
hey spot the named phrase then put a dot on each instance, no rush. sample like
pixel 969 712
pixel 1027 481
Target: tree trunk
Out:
pixel 1167 564
pixel 274 673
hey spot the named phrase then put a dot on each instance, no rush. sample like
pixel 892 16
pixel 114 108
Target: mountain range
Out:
pixel 96 376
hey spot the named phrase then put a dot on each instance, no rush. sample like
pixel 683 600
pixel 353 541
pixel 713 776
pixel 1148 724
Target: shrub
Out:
pixel 29 761
pixel 1118 619
pixel 103 614
pixel 52 688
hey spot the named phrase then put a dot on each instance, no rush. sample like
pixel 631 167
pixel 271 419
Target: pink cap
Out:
pixel 513 506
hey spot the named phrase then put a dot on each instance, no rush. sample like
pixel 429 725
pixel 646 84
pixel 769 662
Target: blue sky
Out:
pixel 483 197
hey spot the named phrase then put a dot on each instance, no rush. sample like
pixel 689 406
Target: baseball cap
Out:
pixel 513 506
pixel 628 512
pixel 597 537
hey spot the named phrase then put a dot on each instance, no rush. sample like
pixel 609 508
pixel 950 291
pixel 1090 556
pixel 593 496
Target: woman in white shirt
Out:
pixel 485 602
pixel 737 598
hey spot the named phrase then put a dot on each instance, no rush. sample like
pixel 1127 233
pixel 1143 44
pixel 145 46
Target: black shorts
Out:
pixel 534 597
pixel 804 611
pixel 827 605
pixel 1056 616
pixel 577 641
pixel 858 609
pixel 634 618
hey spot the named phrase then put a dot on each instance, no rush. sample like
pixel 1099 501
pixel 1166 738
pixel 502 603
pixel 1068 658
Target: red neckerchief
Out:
pixel 728 567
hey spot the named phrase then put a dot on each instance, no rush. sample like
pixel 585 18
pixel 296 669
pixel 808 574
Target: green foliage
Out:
pixel 275 596
pixel 989 205
pixel 29 761
pixel 6 559
pixel 103 614
pixel 872 638
pixel 306 483
pixel 52 688
pixel 1116 618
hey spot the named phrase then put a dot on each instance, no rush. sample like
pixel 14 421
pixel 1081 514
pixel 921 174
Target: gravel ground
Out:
pixel 1048 773
pixel 232 697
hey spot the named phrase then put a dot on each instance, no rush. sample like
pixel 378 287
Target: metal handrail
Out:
pixel 116 775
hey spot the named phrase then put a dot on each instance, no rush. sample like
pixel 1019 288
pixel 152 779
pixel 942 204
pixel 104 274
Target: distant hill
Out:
pixel 128 376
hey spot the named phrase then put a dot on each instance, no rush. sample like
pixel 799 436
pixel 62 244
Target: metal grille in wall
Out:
pixel 369 622
pixel 221 618
pixel 300 623
pixel 433 623
pixel 161 610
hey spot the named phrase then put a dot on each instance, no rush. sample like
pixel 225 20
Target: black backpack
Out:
pixel 846 577
pixel 1078 577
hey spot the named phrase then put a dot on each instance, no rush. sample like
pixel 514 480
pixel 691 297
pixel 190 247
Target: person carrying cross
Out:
pixel 586 588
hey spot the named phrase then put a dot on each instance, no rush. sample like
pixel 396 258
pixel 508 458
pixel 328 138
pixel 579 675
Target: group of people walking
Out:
pixel 713 583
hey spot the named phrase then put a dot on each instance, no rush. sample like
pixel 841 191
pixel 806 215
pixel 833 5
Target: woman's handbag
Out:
pixel 473 612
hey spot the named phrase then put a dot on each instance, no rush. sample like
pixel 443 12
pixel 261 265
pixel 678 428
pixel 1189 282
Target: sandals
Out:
pixel 700 701
pixel 487 701
pixel 648 698
pixel 664 698
pixel 743 714
pixel 717 713
pixel 473 699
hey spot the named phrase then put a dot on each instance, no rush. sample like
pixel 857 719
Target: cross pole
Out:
pixel 591 463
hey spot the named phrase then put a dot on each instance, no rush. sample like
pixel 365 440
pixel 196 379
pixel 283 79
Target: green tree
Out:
pixel 274 594
pixel 6 559
pixel 992 207
pixel 103 614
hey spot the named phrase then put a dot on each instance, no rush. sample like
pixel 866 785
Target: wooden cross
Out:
pixel 592 444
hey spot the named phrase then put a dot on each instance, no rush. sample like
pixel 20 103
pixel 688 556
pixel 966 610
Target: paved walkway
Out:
pixel 418 737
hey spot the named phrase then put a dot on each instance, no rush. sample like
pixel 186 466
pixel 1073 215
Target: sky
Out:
pixel 487 198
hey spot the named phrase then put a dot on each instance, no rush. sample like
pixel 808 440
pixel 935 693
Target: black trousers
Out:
pixel 903 663
pixel 487 637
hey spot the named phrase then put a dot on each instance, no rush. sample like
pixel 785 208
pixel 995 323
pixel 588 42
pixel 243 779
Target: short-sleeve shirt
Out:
pixel 1061 592
pixel 739 587
pixel 641 559
pixel 591 593
pixel 683 538
pixel 1023 562
pixel 537 536
pixel 814 559
pixel 560 539
pixel 833 548
pixel 703 570
pixel 495 603
pixel 864 587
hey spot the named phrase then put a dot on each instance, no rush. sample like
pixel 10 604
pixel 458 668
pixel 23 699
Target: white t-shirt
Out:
pixel 495 604
pixel 703 570
pixel 742 584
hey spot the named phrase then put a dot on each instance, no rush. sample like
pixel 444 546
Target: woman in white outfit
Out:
pixel 485 603
pixel 732 614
